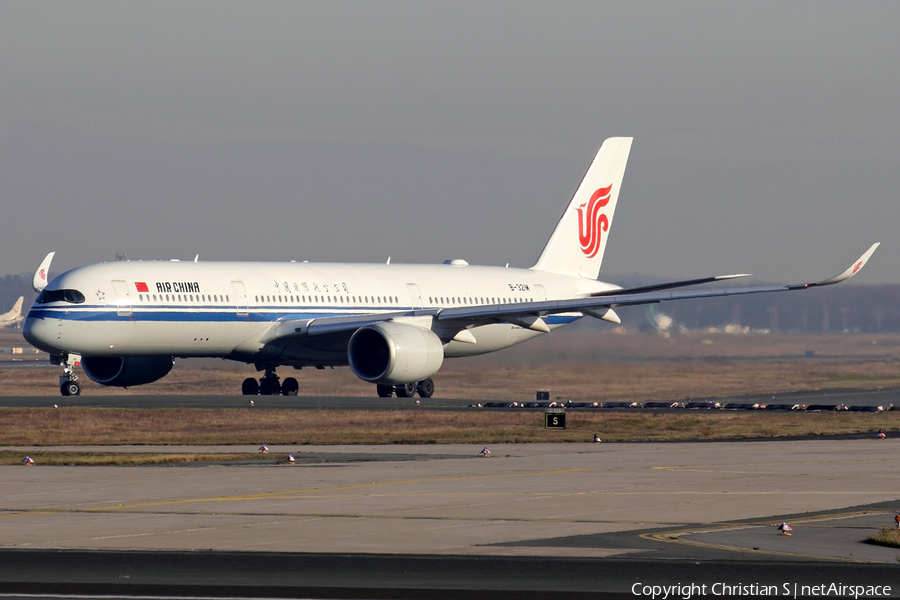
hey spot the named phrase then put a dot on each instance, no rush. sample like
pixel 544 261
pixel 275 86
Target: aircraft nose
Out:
pixel 39 333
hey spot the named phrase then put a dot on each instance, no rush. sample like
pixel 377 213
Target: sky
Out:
pixel 766 134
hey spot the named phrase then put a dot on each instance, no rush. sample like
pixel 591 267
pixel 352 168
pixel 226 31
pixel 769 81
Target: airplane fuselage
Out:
pixel 225 309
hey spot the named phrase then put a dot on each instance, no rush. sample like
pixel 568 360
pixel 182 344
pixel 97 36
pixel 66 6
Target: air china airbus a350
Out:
pixel 392 324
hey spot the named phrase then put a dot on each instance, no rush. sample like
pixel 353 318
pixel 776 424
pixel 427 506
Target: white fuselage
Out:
pixel 225 309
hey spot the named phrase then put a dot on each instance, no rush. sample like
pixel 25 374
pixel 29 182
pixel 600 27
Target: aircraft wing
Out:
pixel 529 314
pixel 597 305
pixel 667 286
pixel 634 296
pixel 327 325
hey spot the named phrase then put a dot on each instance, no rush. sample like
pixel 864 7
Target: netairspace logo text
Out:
pixel 687 591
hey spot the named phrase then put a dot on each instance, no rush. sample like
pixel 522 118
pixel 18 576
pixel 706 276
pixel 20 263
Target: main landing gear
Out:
pixel 424 388
pixel 270 385
pixel 68 381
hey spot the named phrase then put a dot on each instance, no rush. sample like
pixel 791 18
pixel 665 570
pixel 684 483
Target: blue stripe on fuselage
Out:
pixel 210 314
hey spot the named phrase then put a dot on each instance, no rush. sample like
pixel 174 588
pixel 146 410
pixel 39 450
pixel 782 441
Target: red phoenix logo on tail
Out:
pixel 591 221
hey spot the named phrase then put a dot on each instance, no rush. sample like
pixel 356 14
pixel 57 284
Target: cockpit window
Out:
pixel 70 296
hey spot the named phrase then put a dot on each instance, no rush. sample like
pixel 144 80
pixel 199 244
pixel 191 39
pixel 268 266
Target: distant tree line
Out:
pixel 842 308
pixel 13 286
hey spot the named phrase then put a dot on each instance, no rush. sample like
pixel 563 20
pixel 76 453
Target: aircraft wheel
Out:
pixel 290 387
pixel 269 387
pixel 70 388
pixel 425 388
pixel 250 387
pixel 385 391
pixel 407 390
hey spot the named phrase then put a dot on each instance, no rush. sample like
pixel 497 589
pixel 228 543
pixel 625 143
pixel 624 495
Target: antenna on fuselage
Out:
pixel 388 261
pixel 196 258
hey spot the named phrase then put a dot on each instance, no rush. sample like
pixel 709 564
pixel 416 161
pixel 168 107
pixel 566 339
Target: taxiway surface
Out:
pixel 563 519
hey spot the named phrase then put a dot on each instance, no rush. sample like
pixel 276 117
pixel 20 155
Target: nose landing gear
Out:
pixel 68 381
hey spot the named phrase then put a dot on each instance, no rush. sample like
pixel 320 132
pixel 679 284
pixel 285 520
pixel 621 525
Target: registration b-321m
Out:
pixel 393 324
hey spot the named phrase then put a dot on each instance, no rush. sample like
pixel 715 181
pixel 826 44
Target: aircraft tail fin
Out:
pixel 579 240
pixel 40 279
pixel 17 307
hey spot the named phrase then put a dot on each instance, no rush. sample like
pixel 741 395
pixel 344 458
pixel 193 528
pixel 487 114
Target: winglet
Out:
pixel 40 276
pixel 853 270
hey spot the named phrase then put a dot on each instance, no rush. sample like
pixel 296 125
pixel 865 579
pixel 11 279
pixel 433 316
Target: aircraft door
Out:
pixel 240 298
pixel 415 297
pixel 123 299
pixel 541 292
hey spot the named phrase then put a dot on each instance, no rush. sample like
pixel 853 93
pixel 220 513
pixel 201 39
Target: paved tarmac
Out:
pixel 539 520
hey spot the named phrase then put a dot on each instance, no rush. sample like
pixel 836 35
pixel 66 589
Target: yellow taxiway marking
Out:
pixel 706 466
pixel 674 537
pixel 318 492
pixel 325 492
pixel 135 509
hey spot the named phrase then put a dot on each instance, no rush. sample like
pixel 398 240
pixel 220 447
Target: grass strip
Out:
pixel 886 537
pixel 171 426
pixel 40 457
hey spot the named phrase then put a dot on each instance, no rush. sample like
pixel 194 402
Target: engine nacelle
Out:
pixel 124 372
pixel 394 353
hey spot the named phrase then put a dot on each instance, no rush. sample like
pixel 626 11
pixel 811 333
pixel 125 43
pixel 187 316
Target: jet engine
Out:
pixel 126 371
pixel 394 353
